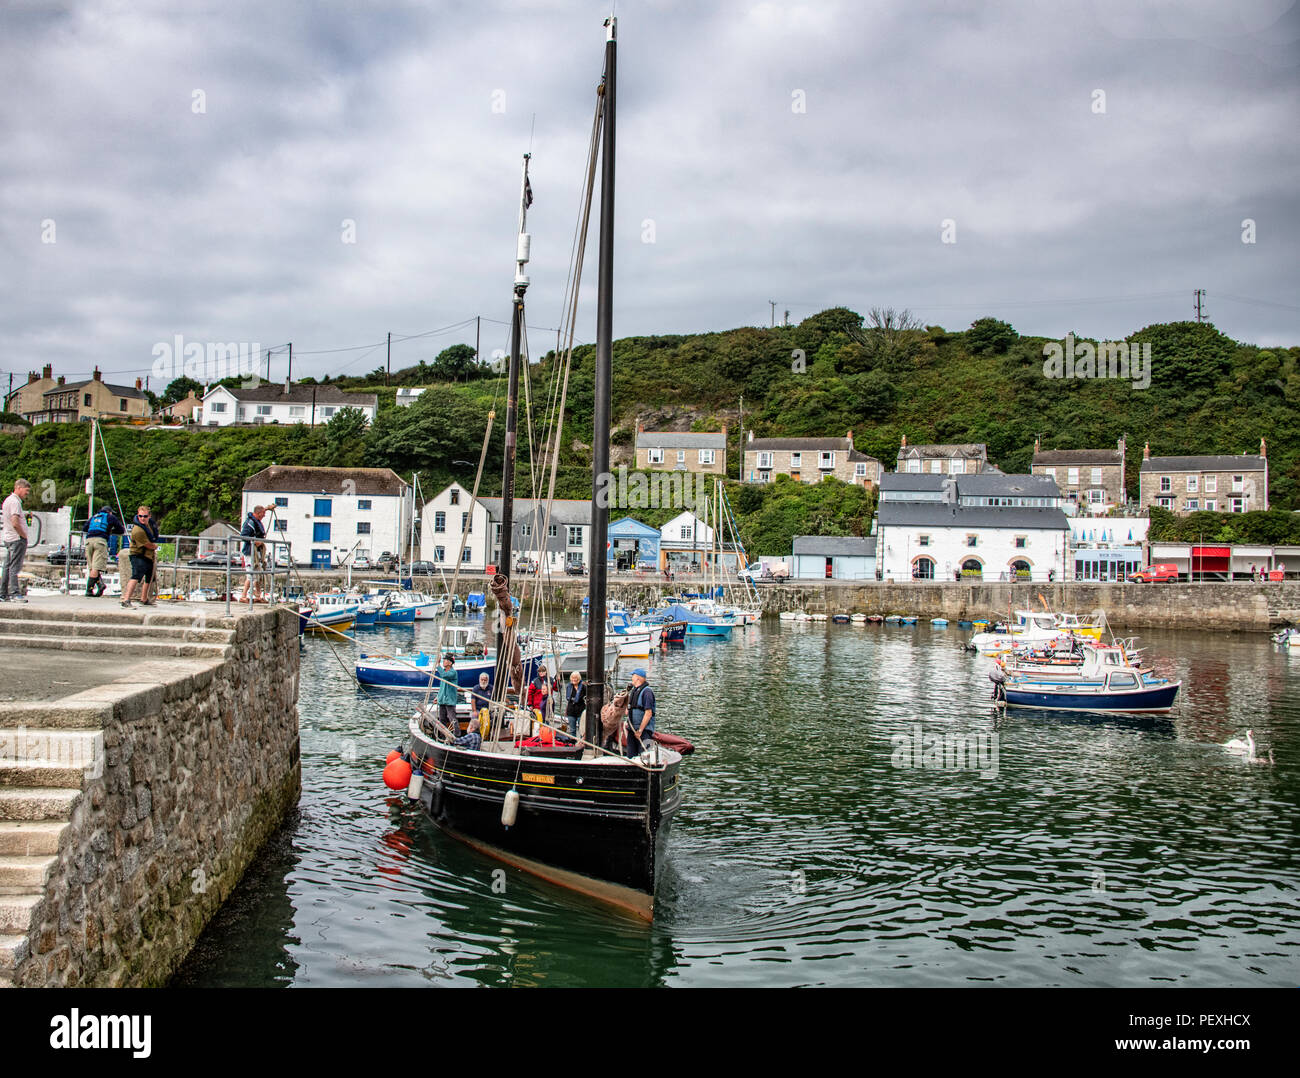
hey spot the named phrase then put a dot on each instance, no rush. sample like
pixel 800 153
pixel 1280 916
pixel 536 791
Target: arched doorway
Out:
pixel 923 569
pixel 973 567
pixel 1020 569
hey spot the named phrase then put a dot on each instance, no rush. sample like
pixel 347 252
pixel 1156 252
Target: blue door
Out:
pixel 320 559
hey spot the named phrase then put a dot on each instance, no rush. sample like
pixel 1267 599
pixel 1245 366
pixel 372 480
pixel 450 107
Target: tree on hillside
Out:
pixel 179 389
pixel 435 430
pixel 990 336
pixel 1187 356
pixel 457 363
pixel 890 341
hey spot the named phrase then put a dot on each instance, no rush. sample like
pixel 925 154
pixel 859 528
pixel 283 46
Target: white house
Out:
pixel 1107 548
pixel 331 514
pixel 442 524
pixel 406 395
pixel 269 403
pixel 837 557
pixel 984 526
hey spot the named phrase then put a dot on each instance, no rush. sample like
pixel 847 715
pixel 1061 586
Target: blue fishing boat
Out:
pixel 1125 691
pixel 697 624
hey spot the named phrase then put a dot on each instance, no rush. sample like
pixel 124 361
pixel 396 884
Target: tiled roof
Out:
pixel 1243 463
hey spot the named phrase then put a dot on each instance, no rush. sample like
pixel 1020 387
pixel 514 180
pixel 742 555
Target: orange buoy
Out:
pixel 397 775
pixel 391 757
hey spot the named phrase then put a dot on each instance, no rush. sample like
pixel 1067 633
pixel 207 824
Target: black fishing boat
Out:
pixel 578 815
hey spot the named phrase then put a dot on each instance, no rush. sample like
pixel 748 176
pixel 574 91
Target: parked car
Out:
pixel 575 568
pixel 769 570
pixel 1154 574
pixel 362 561
pixel 423 568
pixel 524 565
pixel 386 562
pixel 60 556
pixel 213 560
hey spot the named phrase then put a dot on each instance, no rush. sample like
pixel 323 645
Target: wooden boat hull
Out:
pixel 594 827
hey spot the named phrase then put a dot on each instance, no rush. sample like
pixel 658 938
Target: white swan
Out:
pixel 1241 748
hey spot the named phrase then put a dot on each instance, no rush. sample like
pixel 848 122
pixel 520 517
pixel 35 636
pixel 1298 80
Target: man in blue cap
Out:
pixel 640 714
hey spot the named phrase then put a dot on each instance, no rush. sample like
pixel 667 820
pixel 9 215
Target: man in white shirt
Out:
pixel 13 533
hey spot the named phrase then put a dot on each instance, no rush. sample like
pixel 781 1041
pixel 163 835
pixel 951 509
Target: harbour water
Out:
pixel 1077 851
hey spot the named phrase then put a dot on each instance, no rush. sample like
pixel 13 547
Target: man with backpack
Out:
pixel 102 529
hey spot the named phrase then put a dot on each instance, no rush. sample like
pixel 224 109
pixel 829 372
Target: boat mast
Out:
pixel 601 418
pixel 512 426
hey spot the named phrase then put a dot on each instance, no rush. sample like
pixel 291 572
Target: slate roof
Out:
pixel 281 479
pixel 117 391
pixel 671 439
pixel 798 445
pixel 273 393
pixel 979 485
pixel 968 449
pixel 836 545
pixel 563 510
pixel 938 515
pixel 1056 457
pixel 1243 463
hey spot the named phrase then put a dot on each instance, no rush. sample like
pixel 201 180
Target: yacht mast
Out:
pixel 600 486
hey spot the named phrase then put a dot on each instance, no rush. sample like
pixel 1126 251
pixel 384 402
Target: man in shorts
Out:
pixel 143 548
pixel 102 525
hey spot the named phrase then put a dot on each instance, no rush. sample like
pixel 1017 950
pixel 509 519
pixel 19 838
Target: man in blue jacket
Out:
pixel 101 532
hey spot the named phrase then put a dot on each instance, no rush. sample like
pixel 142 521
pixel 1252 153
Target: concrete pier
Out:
pixel 145 757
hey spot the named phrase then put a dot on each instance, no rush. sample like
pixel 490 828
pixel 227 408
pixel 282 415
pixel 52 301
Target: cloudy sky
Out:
pixel 191 168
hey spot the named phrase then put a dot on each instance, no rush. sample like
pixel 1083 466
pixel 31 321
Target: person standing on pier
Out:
pixel 143 546
pixel 252 531
pixel 102 526
pixel 641 714
pixel 13 532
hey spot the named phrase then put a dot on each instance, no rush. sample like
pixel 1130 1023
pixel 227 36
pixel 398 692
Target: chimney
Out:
pixel 48 372
pixel 62 379
pixel 286 387
pixel 31 377
pixel 904 441
pixel 139 384
pixel 1035 445
pixel 751 434
pixel 1146 451
pixel 1123 444
pixel 850 437
pixel 724 434
pixel 1263 448
pixel 97 376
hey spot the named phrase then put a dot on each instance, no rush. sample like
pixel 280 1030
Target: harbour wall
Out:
pixel 140 801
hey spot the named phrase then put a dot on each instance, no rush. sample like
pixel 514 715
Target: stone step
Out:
pixel 27 838
pixel 112 613
pixel 41 774
pixel 36 803
pixel 75 748
pixel 13 950
pixel 147 647
pixel 16 912
pixel 201 630
pixel 23 874
pixel 58 714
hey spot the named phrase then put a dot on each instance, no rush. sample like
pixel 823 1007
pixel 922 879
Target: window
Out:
pixel 327 412
pixel 282 503
pixel 688 531
pixel 465 555
pixel 826 460
pixel 860 469
pixel 575 535
pixel 263 409
pixel 440 522
pixel 936 467
pixel 281 525
pixel 297 411
pixel 363 527
pixel 1050 473
pixel 914 466
pixel 1238 483
pixel 681 456
pixel 440 553
pixel 922 540
pixel 464 522
pixel 455 496
pixel 765 460
pixel 1074 477
pixel 1021 542
pixel 1096 476
pixel 956 467
pixel 1212 504
pixel 85 399
pixel 1097 497
pixel 525 529
pixel 553 531
pixel 1165 503
pixel 496 533
pixel 322 507
pixel 121 405
pixel 796 460
pixel 1211 484
pixel 239 412
pixel 363 505
pixel 1166 484
pixel 706 456
pixel 1192 505
pixel 654 456
pixel 972 540
pixel 1193 482
pixel 217 406
pixel 320 533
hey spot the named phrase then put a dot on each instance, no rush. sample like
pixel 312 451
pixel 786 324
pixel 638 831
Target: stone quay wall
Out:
pixel 200 765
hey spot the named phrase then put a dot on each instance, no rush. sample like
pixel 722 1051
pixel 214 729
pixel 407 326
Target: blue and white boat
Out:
pixel 1106 682
pixel 697 624
pixel 415 670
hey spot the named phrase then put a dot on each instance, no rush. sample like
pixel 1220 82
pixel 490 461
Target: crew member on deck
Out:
pixel 641 714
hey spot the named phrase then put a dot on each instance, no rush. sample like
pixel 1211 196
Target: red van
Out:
pixel 1153 574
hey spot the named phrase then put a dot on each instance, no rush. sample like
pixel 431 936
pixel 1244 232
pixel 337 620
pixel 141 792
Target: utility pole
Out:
pixel 772 303
pixel 388 370
pixel 740 467
pixel 1200 314
pixel 478 321
pixel 288 376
